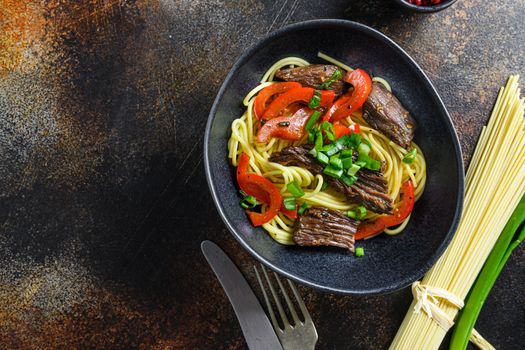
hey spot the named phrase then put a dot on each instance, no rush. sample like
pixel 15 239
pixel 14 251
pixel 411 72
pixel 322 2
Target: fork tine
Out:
pixel 276 299
pixel 300 301
pixel 267 301
pixel 288 301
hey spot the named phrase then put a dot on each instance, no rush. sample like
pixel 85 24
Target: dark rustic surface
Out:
pixel 103 200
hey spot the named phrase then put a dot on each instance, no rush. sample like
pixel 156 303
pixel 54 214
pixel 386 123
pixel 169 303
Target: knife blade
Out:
pixel 255 325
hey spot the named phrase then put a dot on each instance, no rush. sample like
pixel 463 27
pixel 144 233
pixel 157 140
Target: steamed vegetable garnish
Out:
pixel 309 140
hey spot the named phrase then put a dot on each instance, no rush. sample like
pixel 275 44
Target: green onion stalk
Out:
pixel 509 239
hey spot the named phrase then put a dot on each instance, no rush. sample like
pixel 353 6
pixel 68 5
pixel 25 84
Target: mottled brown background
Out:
pixel 103 200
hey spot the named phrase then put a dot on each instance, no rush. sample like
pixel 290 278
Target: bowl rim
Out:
pixel 341 24
pixel 424 9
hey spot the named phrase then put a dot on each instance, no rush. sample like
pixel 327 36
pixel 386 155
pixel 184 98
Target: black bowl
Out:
pixel 390 262
pixel 425 9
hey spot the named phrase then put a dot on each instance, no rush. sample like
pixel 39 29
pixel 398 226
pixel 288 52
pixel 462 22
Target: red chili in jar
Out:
pixel 425 2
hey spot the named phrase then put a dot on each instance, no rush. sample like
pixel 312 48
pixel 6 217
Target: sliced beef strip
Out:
pixel 383 111
pixel 297 156
pixel 320 226
pixel 370 189
pixel 313 76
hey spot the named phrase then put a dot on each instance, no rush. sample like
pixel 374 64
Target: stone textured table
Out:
pixel 103 199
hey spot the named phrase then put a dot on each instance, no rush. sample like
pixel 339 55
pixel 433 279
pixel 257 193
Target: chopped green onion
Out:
pixel 359 252
pixel 295 189
pixel 365 161
pixel 410 156
pixel 313 152
pixel 318 141
pixel 509 238
pixel 336 163
pixel 347 153
pixel 330 149
pixel 324 186
pixel 243 194
pixel 283 123
pixel 302 208
pixel 337 75
pixel 248 202
pixel 373 164
pixel 347 163
pixel 342 142
pixel 361 212
pixel 323 158
pixel 289 203
pixel 363 148
pixel 316 100
pixel 313 119
pixel 355 140
pixel 353 169
pixel 358 213
pixel 311 136
pixel 349 180
pixel 329 131
pixel 330 171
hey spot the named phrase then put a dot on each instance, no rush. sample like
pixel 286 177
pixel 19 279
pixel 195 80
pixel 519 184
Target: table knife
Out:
pixel 255 325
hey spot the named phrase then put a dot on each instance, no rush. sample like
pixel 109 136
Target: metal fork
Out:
pixel 301 335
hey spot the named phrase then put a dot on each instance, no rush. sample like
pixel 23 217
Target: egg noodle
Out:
pixel 243 139
pixel 495 183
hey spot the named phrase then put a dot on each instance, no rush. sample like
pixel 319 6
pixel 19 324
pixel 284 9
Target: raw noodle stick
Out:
pixel 495 183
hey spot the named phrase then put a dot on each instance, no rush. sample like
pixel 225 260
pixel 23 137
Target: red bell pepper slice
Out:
pixel 265 94
pixel 292 214
pixel 249 182
pixel 400 214
pixel 242 167
pixel 253 188
pixel 288 128
pixel 362 84
pixel 303 94
pixel 337 104
pixel 341 130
